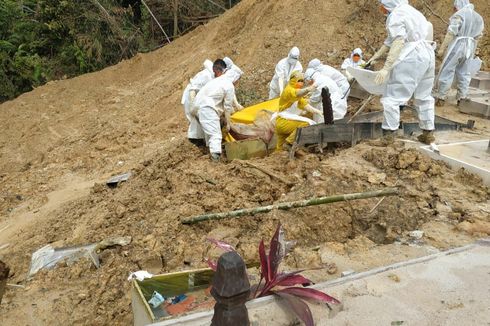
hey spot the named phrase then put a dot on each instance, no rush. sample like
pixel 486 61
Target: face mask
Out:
pixel 384 11
pixel 292 61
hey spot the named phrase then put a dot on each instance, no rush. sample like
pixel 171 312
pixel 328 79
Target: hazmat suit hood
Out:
pixel 314 64
pixel 460 4
pixel 229 62
pixel 295 77
pixel 234 73
pixel 309 73
pixel 390 5
pixel 357 51
pixel 208 65
pixel 293 56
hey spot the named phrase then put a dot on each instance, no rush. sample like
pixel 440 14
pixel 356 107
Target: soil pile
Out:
pixel 59 139
pixel 181 182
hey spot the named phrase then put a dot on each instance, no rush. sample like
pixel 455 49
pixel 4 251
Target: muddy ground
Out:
pixel 60 142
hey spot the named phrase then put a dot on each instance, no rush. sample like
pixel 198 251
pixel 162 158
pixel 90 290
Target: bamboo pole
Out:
pixel 294 204
pixel 155 19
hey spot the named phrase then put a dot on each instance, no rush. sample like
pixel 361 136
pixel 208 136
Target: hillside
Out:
pixel 60 142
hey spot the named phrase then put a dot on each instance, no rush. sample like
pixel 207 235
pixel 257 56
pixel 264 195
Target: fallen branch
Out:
pixel 294 204
pixel 156 20
pixel 269 173
pixel 434 13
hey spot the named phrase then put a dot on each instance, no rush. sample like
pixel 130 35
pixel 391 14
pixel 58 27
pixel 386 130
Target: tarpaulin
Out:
pixel 365 78
pixel 248 115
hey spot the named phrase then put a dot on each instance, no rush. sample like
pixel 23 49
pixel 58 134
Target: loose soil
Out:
pixel 60 142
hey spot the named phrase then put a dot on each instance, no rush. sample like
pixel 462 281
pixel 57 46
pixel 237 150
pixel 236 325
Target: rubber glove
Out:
pixel 381 52
pixel 237 105
pixel 396 49
pixel 192 96
pixel 447 40
pixel 312 110
pixel 305 91
pixel 227 121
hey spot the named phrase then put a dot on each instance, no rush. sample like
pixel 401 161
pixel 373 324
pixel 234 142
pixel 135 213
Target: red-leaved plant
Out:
pixel 288 286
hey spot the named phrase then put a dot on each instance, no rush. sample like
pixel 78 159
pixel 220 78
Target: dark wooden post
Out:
pixel 231 289
pixel 4 274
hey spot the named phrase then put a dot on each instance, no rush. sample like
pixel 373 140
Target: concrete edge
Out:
pixel 207 315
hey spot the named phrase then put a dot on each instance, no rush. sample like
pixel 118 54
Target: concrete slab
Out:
pixel 476 105
pixel 481 80
pixel 472 155
pixel 477 93
pixel 448 288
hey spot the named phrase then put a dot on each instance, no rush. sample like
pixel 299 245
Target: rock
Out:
pixel 417 234
pixel 331 268
pixel 377 178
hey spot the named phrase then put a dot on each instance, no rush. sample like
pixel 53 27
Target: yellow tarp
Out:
pixel 248 115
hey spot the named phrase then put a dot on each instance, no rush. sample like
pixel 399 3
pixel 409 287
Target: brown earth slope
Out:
pixel 60 139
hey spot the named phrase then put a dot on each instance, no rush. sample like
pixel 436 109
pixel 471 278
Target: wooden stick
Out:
pixel 269 173
pixel 363 106
pixel 289 205
pixel 433 12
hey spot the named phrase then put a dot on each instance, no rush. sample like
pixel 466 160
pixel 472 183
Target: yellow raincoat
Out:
pixel 286 128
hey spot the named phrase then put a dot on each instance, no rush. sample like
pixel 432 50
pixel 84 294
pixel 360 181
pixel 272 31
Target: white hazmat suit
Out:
pixel 339 104
pixel 331 73
pixel 465 27
pixel 284 68
pixel 410 66
pixel 195 85
pixel 214 101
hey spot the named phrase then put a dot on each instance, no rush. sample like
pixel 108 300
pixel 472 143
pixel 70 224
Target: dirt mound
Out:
pixel 182 182
pixel 59 139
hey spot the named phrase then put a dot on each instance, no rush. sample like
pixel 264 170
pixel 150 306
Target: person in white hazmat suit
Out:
pixel 339 104
pixel 355 61
pixel 284 68
pixel 210 71
pixel 230 64
pixel 213 102
pixel 409 68
pixel 333 74
pixel 465 28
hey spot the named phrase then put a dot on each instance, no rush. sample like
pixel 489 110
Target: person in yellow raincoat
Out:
pixel 293 111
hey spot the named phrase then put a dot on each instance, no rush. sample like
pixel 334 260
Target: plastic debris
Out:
pixel 417 235
pixel 47 257
pixel 140 276
pixel 179 298
pixel 156 299
pixel 117 179
pixel 347 273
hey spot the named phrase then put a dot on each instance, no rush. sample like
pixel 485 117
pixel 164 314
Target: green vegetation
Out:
pixel 41 40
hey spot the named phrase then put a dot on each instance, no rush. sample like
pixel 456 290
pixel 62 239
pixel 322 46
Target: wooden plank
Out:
pixel 325 133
